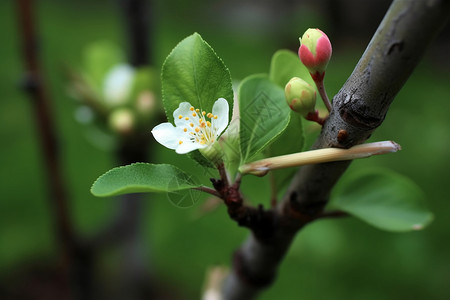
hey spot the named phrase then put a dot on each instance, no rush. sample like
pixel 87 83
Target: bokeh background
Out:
pixel 333 259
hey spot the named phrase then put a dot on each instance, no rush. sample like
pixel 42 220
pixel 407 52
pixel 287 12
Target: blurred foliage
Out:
pixel 333 259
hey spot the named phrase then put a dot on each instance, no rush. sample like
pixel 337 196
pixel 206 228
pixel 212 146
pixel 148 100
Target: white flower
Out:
pixel 118 83
pixel 194 129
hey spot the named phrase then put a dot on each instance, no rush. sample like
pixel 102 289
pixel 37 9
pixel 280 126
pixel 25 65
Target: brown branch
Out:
pixel 208 190
pixel 35 86
pixel 358 109
pixel 257 219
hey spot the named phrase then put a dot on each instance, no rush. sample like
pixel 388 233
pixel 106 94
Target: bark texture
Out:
pixel 358 109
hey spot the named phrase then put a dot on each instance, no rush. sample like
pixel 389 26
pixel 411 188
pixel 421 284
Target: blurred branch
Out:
pixel 124 228
pixel 133 147
pixel 80 254
pixel 358 109
pixel 35 86
pixel 138 26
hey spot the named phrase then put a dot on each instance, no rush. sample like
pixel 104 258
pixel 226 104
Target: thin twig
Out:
pixel 223 174
pixel 34 85
pixel 208 190
pixel 261 167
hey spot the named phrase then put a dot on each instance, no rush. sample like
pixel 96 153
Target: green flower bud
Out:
pixel 122 121
pixel 213 153
pixel 300 96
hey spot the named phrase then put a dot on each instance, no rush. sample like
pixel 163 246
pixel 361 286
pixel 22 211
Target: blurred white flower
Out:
pixel 118 83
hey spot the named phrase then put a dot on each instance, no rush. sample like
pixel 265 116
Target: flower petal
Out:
pixel 220 109
pixel 167 135
pixel 184 111
pixel 188 146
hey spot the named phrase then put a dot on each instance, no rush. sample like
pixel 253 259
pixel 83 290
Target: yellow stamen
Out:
pixel 187 118
pixel 215 117
pixel 191 108
pixel 208 123
pixel 180 117
pixel 192 124
pixel 197 129
pixel 185 130
pixel 202 125
pixel 203 112
pixel 197 110
pixel 194 114
pixel 180 142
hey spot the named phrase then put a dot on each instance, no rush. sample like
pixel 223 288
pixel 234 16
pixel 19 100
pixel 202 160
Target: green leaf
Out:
pixel 383 199
pixel 194 73
pixel 264 114
pixel 142 178
pixel 290 141
pixel 285 64
pixel 230 144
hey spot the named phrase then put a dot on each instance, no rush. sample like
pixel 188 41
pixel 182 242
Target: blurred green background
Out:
pixel 333 259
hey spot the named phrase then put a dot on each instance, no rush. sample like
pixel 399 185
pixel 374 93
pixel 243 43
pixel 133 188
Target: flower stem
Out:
pixel 323 93
pixel 261 167
pixel 315 118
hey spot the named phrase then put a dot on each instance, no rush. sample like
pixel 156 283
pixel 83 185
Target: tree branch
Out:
pixel 35 86
pixel 137 21
pixel 358 109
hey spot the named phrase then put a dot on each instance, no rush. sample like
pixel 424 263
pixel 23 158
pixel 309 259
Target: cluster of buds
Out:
pixel 118 97
pixel 315 53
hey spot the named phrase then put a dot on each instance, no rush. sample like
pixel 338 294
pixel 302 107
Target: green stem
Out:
pixel 323 93
pixel 261 167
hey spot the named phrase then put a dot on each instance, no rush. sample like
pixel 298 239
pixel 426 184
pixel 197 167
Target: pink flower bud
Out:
pixel 300 96
pixel 315 52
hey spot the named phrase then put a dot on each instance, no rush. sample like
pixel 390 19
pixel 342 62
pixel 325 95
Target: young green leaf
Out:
pixel 263 114
pixel 194 73
pixel 142 178
pixel 285 64
pixel 383 199
pixel 290 141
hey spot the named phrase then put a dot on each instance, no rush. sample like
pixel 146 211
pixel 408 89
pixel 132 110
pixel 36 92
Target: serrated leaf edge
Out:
pixel 133 164
pixel 230 101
